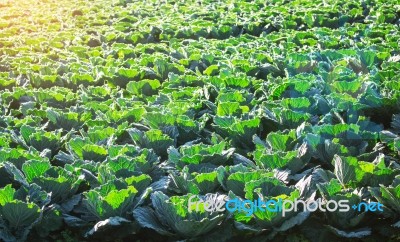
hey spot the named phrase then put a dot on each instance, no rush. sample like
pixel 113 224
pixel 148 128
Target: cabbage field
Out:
pixel 199 120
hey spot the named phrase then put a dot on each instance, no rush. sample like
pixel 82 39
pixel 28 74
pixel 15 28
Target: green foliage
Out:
pixel 114 113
